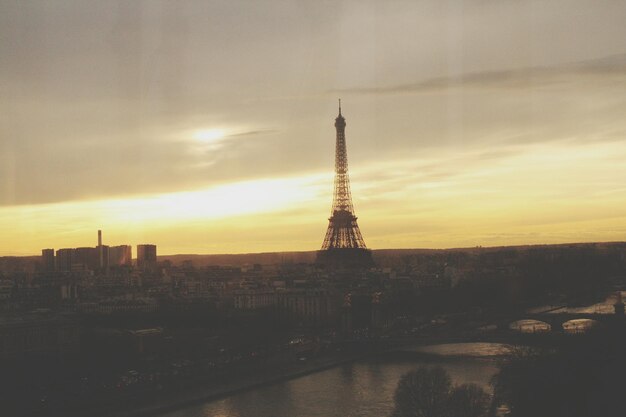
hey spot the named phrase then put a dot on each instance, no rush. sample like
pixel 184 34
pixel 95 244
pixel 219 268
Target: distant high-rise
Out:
pixel 100 250
pixel 121 255
pixel 47 258
pixel 102 255
pixel 64 259
pixel 146 256
pixel 97 258
pixel 85 258
pixel 343 243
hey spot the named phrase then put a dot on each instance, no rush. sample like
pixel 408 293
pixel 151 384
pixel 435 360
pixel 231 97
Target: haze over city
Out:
pixel 207 127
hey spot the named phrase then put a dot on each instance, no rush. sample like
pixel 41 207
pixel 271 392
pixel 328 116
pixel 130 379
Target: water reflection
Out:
pixel 353 390
pixel 466 349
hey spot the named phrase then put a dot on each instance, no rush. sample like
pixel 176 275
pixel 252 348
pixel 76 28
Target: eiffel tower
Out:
pixel 343 244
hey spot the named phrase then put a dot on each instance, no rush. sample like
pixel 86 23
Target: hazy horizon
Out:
pixel 461 248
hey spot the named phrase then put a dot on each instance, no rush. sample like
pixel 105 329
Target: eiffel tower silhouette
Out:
pixel 343 243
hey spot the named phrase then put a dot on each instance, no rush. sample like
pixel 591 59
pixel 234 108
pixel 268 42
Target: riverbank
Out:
pixel 159 403
pixel 204 393
pixel 364 387
pixel 200 387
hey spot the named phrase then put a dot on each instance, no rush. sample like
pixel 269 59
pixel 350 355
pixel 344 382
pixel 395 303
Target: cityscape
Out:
pixel 166 247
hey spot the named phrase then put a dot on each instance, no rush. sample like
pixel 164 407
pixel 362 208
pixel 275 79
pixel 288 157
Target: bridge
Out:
pixel 558 321
pixel 501 333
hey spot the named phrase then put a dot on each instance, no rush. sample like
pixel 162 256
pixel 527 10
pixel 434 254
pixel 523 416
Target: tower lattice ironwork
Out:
pixel 343 231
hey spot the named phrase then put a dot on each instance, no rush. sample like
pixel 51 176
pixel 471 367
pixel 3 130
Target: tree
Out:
pixel 468 400
pixel 428 392
pixel 422 393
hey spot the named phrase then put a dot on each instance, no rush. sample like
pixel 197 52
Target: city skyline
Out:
pixel 206 127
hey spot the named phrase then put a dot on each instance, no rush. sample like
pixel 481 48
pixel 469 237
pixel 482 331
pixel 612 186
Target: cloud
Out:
pixel 613 66
pixel 252 133
pixel 34 169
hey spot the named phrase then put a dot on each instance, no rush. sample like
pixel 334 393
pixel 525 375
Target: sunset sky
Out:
pixel 207 126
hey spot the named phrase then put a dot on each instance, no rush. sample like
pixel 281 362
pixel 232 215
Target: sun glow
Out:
pixel 209 135
pixel 229 200
pixel 138 218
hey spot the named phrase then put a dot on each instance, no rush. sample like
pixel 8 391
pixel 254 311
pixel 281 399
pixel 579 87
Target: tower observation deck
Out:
pixel 343 243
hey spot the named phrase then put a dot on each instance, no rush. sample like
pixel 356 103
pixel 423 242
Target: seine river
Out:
pixel 363 389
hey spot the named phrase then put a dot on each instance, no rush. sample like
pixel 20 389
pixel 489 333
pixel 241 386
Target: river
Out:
pixel 360 389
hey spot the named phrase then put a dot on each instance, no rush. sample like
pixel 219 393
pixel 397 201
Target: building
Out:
pixel 253 299
pixel 6 289
pixel 64 259
pixel 97 258
pixel 38 335
pixel 121 255
pixel 48 260
pixel 86 258
pixel 311 306
pixel 146 256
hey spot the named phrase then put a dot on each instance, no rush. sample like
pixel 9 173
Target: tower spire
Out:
pixel 339 107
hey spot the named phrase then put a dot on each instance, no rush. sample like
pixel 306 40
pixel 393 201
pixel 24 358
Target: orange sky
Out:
pixel 207 127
